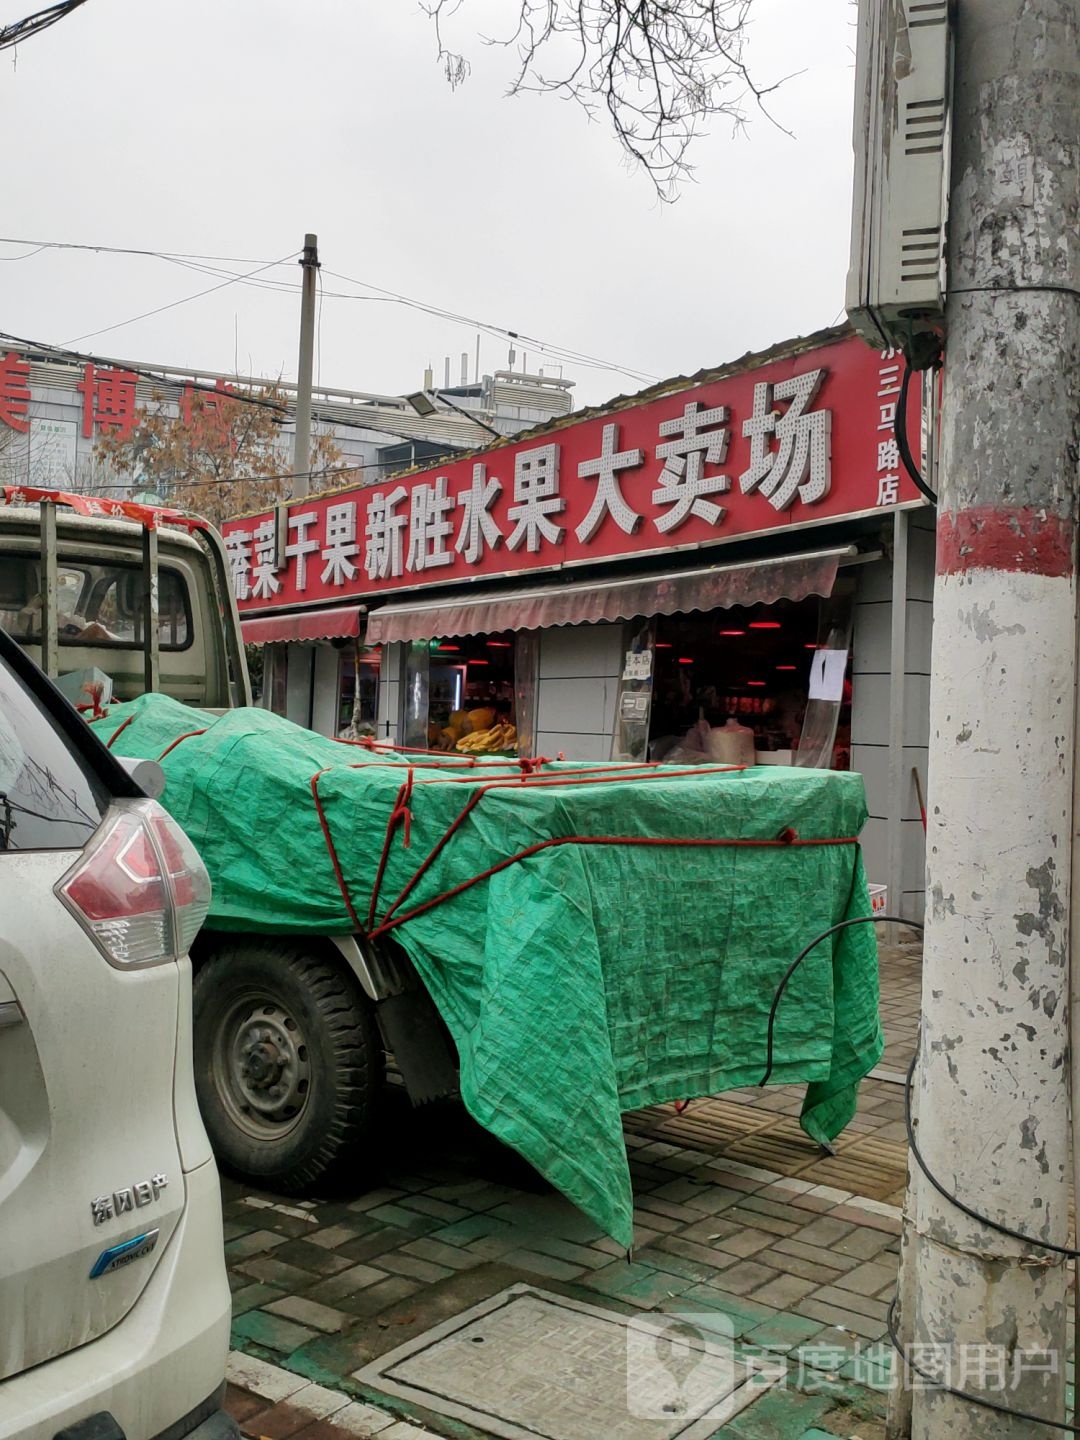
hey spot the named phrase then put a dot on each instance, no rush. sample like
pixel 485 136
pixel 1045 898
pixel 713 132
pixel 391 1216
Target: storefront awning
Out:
pixel 330 624
pixel 715 587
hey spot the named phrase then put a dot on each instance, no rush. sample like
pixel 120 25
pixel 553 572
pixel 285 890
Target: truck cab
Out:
pixel 141 597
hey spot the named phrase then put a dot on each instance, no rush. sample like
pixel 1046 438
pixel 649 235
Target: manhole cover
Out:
pixel 528 1364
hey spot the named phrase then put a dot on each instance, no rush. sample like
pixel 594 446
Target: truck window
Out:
pixel 98 602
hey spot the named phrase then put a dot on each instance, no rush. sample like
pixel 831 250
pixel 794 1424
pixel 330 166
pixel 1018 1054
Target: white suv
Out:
pixel 114 1303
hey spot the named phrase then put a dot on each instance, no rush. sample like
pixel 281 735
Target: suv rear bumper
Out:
pixel 164 1358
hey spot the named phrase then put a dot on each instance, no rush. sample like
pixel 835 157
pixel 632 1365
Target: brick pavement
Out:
pixel 739 1217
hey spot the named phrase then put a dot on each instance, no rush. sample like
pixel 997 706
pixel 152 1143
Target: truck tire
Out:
pixel 288 1065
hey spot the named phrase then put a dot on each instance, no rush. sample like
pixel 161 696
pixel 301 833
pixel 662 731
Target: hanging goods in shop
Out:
pixel 597 937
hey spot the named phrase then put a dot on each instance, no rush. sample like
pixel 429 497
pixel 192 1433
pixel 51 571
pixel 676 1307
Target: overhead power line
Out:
pixel 233 280
pixel 34 24
pixel 380 295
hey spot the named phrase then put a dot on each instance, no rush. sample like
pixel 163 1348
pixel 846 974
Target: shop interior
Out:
pixel 747 665
pixel 471 696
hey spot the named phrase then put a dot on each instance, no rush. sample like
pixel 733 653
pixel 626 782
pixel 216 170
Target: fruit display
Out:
pixel 488 742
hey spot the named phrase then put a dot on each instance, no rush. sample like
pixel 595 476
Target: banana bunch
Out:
pixel 486 742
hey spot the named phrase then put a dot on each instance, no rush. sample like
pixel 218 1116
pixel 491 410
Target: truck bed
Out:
pixel 597 937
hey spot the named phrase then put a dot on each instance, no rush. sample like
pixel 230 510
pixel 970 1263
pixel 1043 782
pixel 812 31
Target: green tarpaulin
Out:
pixel 595 973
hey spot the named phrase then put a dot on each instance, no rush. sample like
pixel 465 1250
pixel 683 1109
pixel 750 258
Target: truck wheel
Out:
pixel 288 1063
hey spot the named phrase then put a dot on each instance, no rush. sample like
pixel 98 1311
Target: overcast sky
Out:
pixel 230 127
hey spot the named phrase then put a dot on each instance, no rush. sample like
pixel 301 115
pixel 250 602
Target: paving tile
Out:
pixel 870 1279
pixel 692 1250
pixel 251 1296
pixel 476 1226
pixel 398 1263
pixel 782 1291
pixel 779 1414
pixel 452 1256
pixel 861 1304
pixel 864 1244
pixel 885 1223
pixel 586 1257
pixel 783 1332
pixel 438 1209
pixel 745 1276
pixel 536 1263
pixel 698 1272
pixel 378 1242
pixel 373 1198
pixel 270 1382
pixel 745 1242
pixel 831 1259
pixel 842 1317
pixel 824 1232
pixel 355 1422
pixel 275 1272
pixel 255 1242
pixel 335 1235
pixel 310 1312
pixel 374 1298
pixel 241 1404
pixel 638 1284
pixel 348 1282
pixel 279 1422
pixel 271 1331
pixel 313 1258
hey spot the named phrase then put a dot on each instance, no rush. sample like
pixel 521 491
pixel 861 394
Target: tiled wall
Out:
pixel 578 689
pixel 871 707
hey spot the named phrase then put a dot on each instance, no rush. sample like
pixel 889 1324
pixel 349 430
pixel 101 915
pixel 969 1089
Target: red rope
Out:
pixel 335 862
pixel 780 843
pixel 117 733
pixel 190 734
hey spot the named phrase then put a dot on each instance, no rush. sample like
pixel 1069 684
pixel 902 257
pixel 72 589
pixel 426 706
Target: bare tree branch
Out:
pixel 661 70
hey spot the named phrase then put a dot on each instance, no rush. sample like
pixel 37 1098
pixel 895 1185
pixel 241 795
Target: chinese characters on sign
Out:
pixel 888 452
pixel 792 442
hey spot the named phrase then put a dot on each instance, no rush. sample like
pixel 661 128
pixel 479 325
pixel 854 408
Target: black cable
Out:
pixel 34 24
pixel 1066 1426
pixel 890 1325
pixel 841 925
pixel 901 437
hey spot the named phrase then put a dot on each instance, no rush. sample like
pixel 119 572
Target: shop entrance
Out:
pixel 746 668
pixel 461 694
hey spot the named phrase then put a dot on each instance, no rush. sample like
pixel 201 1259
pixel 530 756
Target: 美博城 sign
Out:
pixel 796 441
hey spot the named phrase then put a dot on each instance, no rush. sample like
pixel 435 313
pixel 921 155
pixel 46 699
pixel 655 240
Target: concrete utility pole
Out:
pixel 302 438
pixel 993 1079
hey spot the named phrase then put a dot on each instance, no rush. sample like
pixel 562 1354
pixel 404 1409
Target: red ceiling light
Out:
pixel 787 667
pixel 499 644
pixel 810 646
pixel 662 645
pixel 449 647
pixel 732 632
pixel 488 662
pixel 765 625
pixel 685 660
pixel 755 682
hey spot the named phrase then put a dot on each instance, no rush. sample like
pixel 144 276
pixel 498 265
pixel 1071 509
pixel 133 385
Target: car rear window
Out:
pixel 50 797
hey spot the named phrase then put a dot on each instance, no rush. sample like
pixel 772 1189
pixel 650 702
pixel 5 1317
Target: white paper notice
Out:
pixel 827 675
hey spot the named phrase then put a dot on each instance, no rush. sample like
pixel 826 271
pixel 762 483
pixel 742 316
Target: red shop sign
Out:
pixel 794 442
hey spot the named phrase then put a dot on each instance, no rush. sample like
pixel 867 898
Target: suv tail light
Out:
pixel 139 888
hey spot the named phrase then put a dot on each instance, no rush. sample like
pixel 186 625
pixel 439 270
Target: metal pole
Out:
pixel 151 655
pixel 50 650
pixel 993 1075
pixel 302 437
pixel 899 773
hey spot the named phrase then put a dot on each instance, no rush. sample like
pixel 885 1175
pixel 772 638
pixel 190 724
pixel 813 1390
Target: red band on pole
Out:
pixel 1016 538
